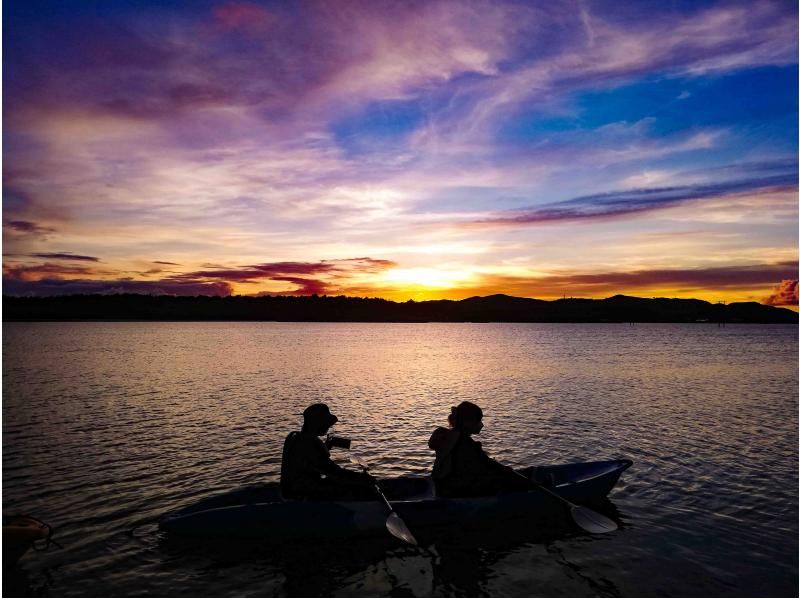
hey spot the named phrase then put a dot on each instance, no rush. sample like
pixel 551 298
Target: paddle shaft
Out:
pixel 396 526
pixel 382 495
pixel 546 490
pixel 358 461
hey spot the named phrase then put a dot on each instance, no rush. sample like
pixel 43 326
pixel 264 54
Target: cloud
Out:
pixel 66 256
pixel 28 228
pixel 305 286
pixel 319 277
pixel 268 271
pixel 65 279
pixel 609 282
pixel 230 275
pixel 278 62
pixel 348 277
pixel 715 277
pixel 336 270
pixel 30 273
pixel 271 269
pixel 246 17
pixel 366 264
pixel 165 263
pixel 59 286
pixel 615 204
pixel 214 130
pixel 325 273
pixel 784 293
pixel 716 39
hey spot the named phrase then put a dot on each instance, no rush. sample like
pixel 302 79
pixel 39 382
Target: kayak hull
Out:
pixel 260 512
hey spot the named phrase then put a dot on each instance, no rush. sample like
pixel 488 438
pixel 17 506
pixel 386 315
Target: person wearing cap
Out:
pixel 462 468
pixel 307 470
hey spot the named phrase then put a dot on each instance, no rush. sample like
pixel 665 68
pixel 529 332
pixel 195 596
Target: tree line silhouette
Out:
pixel 314 308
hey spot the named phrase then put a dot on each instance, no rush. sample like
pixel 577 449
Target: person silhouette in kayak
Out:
pixel 462 468
pixel 307 470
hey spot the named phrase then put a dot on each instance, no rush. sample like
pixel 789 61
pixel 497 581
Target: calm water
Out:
pixel 108 425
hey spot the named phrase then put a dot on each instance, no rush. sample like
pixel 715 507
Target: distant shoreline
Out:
pixel 140 321
pixel 491 309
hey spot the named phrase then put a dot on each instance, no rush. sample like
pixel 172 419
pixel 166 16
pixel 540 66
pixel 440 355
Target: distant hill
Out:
pixel 495 308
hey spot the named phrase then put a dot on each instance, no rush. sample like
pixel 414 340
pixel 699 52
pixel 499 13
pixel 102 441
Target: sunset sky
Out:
pixel 401 149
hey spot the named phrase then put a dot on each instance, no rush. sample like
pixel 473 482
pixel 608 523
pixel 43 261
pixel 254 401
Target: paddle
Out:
pixel 396 526
pixel 585 518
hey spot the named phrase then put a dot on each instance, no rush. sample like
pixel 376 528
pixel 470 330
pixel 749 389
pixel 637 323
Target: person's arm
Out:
pixel 496 466
pixel 356 478
pixel 325 465
pixel 512 479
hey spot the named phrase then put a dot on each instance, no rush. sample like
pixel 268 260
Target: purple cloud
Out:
pixel 232 275
pixel 60 279
pixel 58 286
pixel 28 227
pixel 622 203
pixel 577 284
pixel 66 256
pixel 282 270
pixel 305 286
pixel 34 272
pixel 270 269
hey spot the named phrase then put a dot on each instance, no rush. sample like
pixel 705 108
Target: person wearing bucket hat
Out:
pixel 307 470
pixel 318 416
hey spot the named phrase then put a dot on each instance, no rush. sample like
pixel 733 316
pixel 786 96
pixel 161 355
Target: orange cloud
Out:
pixel 784 294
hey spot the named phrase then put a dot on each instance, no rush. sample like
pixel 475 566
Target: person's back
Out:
pixel 461 467
pixel 303 461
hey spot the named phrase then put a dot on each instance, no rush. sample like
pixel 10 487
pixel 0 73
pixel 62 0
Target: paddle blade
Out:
pixel 398 528
pixel 591 521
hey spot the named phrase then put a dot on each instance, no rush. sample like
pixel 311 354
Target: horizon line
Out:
pixel 326 296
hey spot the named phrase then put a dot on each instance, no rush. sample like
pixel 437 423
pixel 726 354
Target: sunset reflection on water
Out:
pixel 108 425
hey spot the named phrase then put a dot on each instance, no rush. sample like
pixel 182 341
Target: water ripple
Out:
pixel 108 425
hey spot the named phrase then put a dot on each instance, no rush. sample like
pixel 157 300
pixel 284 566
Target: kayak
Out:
pixel 19 534
pixel 259 512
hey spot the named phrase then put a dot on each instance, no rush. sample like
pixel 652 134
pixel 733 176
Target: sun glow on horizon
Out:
pixel 430 278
